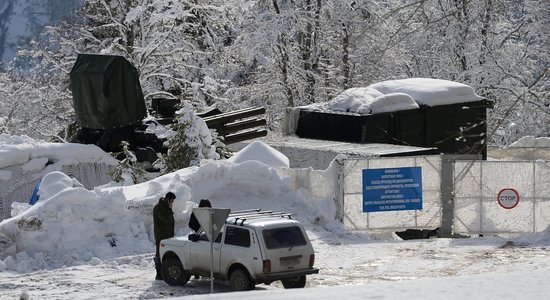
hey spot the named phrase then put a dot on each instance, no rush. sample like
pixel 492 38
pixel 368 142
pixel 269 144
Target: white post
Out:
pixel 211 253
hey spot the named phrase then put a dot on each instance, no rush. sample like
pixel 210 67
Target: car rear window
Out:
pixel 283 237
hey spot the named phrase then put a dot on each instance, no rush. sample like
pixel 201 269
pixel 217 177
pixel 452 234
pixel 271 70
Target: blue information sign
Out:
pixel 392 189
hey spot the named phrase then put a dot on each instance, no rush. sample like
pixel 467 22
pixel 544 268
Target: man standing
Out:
pixel 163 221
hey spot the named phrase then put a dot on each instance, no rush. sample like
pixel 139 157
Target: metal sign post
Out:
pixel 211 221
pixel 211 253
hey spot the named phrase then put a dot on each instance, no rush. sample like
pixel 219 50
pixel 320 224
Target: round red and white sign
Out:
pixel 508 198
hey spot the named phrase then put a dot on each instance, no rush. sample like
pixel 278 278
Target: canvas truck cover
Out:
pixel 106 92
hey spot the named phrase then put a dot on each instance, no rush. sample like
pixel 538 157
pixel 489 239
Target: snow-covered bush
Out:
pixel 129 170
pixel 189 142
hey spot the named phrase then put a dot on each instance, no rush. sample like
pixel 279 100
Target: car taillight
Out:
pixel 162 245
pixel 267 266
pixel 311 260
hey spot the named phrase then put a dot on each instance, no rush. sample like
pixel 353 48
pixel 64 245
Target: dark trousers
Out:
pixel 157 262
pixel 157 253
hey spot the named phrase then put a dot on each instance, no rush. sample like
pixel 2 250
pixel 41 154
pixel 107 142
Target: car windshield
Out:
pixel 283 237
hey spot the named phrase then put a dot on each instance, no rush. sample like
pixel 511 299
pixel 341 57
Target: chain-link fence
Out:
pixel 464 201
pixel 477 185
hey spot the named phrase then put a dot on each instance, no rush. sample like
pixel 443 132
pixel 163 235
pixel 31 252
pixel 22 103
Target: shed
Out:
pixel 446 115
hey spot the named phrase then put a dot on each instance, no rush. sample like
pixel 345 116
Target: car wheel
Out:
pixel 240 281
pixel 173 272
pixel 295 282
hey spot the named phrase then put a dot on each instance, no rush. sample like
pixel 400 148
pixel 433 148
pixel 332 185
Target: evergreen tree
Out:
pixel 190 142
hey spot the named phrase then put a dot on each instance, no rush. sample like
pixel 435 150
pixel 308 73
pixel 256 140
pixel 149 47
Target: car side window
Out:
pixel 237 236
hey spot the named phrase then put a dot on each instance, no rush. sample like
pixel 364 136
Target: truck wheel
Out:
pixel 295 282
pixel 173 272
pixel 240 281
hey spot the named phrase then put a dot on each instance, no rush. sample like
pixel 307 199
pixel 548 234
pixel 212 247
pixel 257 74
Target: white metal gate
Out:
pixel 477 185
pixel 427 218
pixel 471 203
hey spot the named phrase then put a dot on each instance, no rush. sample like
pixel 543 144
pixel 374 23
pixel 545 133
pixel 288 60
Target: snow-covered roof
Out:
pixel 397 95
pixel 354 149
pixel 22 150
pixel 318 154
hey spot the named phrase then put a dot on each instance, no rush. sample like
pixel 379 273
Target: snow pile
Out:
pixel 70 224
pixel 537 238
pixel 18 150
pixel 428 91
pixel 370 101
pixel 531 142
pixel 56 182
pixel 397 95
pixel 261 152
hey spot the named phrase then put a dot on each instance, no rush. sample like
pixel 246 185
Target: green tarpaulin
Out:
pixel 106 92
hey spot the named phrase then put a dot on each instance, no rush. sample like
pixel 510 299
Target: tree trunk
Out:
pixel 309 49
pixel 485 31
pixel 346 68
pixel 283 65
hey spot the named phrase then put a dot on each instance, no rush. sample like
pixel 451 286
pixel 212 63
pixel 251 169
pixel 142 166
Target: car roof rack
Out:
pixel 244 215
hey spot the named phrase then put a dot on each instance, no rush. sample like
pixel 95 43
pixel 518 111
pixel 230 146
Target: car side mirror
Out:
pixel 193 237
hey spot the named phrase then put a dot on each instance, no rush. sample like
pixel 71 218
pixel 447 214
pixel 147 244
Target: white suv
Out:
pixel 252 247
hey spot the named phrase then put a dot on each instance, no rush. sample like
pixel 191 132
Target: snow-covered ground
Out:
pixel 97 244
pixel 352 266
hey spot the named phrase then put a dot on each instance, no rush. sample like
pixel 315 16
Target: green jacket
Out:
pixel 163 220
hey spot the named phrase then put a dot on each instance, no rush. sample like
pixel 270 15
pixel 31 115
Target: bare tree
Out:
pixel 171 46
pixel 281 53
pixel 497 49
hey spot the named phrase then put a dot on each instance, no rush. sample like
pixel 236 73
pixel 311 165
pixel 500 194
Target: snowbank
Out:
pixel 70 224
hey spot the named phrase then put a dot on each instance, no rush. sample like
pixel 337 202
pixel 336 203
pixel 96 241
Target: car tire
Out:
pixel 295 282
pixel 173 272
pixel 239 280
